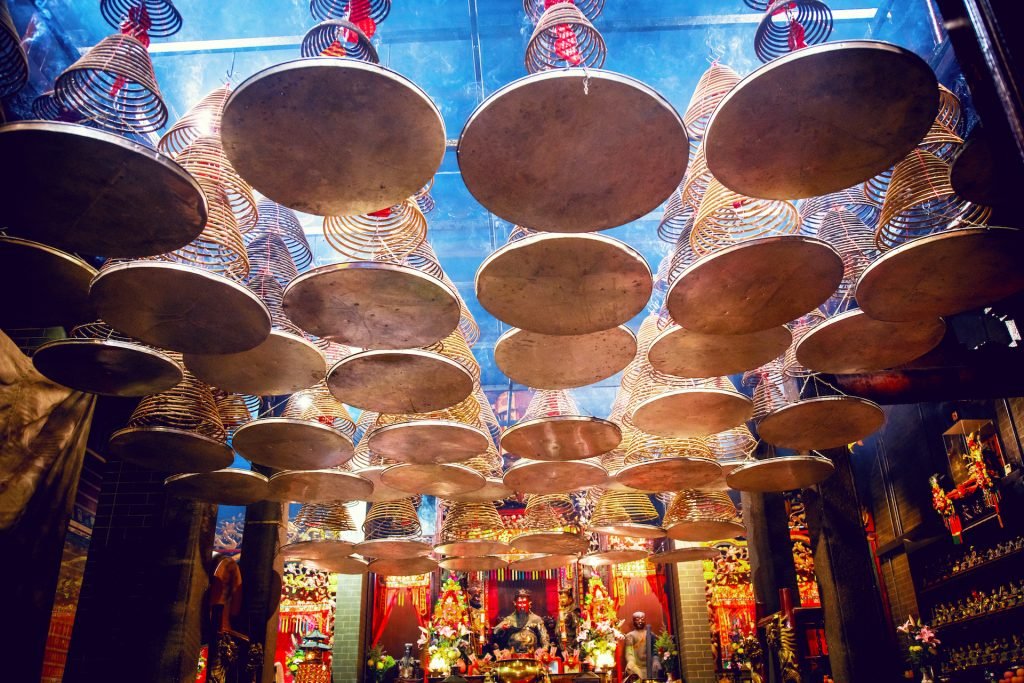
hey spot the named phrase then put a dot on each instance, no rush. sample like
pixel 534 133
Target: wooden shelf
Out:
pixel 976 618
pixel 959 575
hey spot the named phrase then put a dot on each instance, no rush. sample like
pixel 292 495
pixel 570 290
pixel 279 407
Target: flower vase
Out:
pixel 926 675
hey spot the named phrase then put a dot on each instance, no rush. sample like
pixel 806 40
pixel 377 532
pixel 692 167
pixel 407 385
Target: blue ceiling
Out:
pixel 459 51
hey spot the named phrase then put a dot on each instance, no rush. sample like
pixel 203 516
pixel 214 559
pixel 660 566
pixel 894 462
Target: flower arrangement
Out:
pixel 292 661
pixel 597 638
pixel 379 662
pixel 665 646
pixel 922 645
pixel 447 635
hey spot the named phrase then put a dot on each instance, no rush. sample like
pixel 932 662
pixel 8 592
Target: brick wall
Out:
pixel 347 662
pixel 899 587
pixel 694 633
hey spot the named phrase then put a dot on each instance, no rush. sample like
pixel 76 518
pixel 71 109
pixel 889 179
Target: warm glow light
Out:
pixel 604 661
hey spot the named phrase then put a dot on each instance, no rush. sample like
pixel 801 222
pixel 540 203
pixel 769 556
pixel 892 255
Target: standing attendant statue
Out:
pixel 641 662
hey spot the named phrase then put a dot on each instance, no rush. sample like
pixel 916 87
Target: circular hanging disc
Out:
pixel 283 363
pixel 819 423
pixel 564 284
pixel 372 305
pixel 669 473
pixel 170 450
pixel 684 555
pixel 407 567
pixel 631 530
pixel 783 473
pixel 442 481
pixel 545 361
pixel 487 563
pixel 322 549
pixel 755 285
pixel 853 342
pixel 942 274
pixel 821 119
pixel 179 307
pixel 473 547
pixel 399 381
pixel 699 411
pixel 94 192
pixel 573 150
pixel 341 565
pixel 318 486
pixel 429 442
pixel 107 367
pixel 392 548
pixel 528 476
pixel 229 486
pixel 541 563
pixel 561 437
pixel 381 491
pixel 51 287
pixel 292 444
pixel 493 489
pixel 333 137
pixel 561 542
pixel 705 530
pixel 685 353
pixel 606 557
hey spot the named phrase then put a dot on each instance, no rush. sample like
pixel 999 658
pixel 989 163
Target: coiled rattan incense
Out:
pixel 329 519
pixel 220 248
pixel 564 37
pixel 365 457
pixel 353 10
pixel 388 236
pixel 726 218
pixel 697 509
pixel 13 61
pixel 113 85
pixel 791 24
pixel 163 19
pixel 424 259
pixel 204 158
pixel 814 210
pixel 316 404
pixel 622 508
pixel 48 108
pixel 339 38
pixel 920 200
pixel 202 119
pixel 713 86
pixel 800 327
pixel 470 521
pixel 550 403
pixel 269 257
pixel 189 406
pixel 854 241
pixel 233 410
pixel 644 447
pixel 591 9
pixel 392 519
pixel 278 220
pixel 456 348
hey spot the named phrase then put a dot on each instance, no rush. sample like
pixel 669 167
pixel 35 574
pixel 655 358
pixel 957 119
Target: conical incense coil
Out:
pixel 682 256
pixel 676 217
pixel 713 86
pixel 790 25
pixel 205 160
pixel 47 107
pixel 637 369
pixel 98 329
pixel 392 519
pixel 333 351
pixel 644 447
pixel 189 406
pixel 365 14
pixel 278 220
pixel 618 508
pixel 423 198
pixel 388 236
pixel 487 416
pixel 696 182
pixel 330 519
pixel 424 259
pixel 316 404
pixel 733 444
pixel 365 457
pixel 769 394
pixel 233 410
pixel 726 218
pixel 470 521
pixel 201 120
pixel 534 9
pixel 549 512
pixel 564 37
pixel 920 200
pixel 13 61
pixel 455 347
pixel 163 19
pixel 550 403
pixel 488 464
pixel 466 411
pixel 701 506
pixel 339 38
pixel 114 86
pixel 219 248
pixel 791 367
pixel 614 460
pixel 654 383
pixel 815 210
pixel 854 241
pixel 269 257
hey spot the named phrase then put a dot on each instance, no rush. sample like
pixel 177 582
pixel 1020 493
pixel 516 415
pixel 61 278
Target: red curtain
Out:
pixel 657 583
pixel 382 610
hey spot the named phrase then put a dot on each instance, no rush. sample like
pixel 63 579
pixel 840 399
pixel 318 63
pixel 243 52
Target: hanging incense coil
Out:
pixel 726 218
pixel 233 411
pixel 677 217
pixel 487 416
pixel 553 429
pixel 319 530
pixel 201 120
pixel 564 37
pixel 13 60
pixel 791 367
pixel 452 435
pixel 625 513
pixel 655 464
pixel 713 86
pixel 534 9
pixel 456 348
pixel 696 182
pixel 47 107
pixel 316 404
pixel 282 222
pixel 392 530
pixel 644 447
pixel 424 259
pixel 339 38
pixel 388 236
pixel 806 22
pixel 814 210
pixel 269 257
pixel 769 393
pixel 733 448
pixel 682 406
pixel 205 160
pixel 853 240
pixel 702 516
pixel 114 86
pixel 376 10
pixel 423 198
pixel 920 200
pixel 471 530
pixel 550 525
pixel 330 519
pixel 189 407
pixel 163 19
pixel 219 249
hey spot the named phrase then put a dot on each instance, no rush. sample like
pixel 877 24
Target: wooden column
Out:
pixel 261 580
pixel 771 550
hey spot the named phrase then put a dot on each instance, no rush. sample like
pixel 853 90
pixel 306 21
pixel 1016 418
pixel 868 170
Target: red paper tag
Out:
pixel 566 46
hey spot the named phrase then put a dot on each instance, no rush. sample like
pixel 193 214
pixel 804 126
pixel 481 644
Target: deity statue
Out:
pixel 408 665
pixel 568 621
pixel 641 662
pixel 522 631
pixel 477 618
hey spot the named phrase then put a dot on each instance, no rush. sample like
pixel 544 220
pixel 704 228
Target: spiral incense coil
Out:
pixel 733 444
pixel 164 18
pixel 713 86
pixel 805 22
pixel 815 210
pixel 333 351
pixel 456 348
pixel 644 447
pixel 205 160
pixel 726 218
pixel 392 519
pixel 98 329
pixel 47 107
pixel 549 511
pixel 697 508
pixel 339 38
pixel 564 37
pixel 332 518
pixel 189 406
pixel 389 236
pixel 614 460
pixel 550 403
pixel 622 508
pixel 637 369
pixel 13 61
pixel 269 257
pixel 791 367
pixel 423 198
pixel 114 86
pixel 466 411
pixel 676 218
pixel 487 416
pixel 465 521
pixel 278 220
pixel 920 200
pixel 220 248
pixel 352 10
pixel 769 394
pixel 534 9
pixel 201 120
pixel 854 241
pixel 424 259
pixel 697 179
pixel 316 404
pixel 234 412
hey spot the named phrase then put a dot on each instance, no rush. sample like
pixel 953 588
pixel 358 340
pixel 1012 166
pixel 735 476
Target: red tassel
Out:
pixel 566 46
pixel 797 35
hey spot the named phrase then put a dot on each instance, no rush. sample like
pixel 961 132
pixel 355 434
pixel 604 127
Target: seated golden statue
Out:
pixel 522 631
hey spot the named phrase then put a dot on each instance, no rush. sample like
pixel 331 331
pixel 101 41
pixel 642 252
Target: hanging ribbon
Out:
pixel 136 25
pixel 797 34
